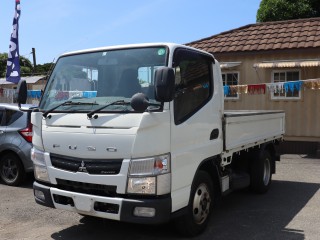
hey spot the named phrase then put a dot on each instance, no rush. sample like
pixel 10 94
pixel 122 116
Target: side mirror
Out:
pixel 164 84
pixel 21 92
pixel 139 102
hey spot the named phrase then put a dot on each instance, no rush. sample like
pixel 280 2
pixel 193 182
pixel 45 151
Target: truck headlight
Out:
pixel 40 166
pixel 150 175
pixel 145 185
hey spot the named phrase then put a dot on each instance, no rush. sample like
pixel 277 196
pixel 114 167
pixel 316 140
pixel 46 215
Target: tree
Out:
pixel 25 65
pixel 43 69
pixel 3 64
pixel 278 10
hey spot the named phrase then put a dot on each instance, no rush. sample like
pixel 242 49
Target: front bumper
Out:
pixel 105 207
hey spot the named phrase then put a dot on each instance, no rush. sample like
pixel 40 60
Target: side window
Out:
pixel 193 83
pixel 12 116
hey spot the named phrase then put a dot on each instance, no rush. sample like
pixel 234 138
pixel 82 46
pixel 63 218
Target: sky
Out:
pixel 58 26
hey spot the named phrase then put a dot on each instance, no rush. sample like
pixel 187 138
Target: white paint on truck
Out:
pixel 160 149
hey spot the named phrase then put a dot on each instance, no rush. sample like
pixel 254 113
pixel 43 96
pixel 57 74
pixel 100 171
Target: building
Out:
pixel 270 53
pixel 34 84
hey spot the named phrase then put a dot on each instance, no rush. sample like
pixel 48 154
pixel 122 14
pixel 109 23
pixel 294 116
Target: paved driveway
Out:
pixel 290 210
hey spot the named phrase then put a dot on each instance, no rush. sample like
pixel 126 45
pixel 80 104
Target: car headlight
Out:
pixel 40 166
pixel 150 175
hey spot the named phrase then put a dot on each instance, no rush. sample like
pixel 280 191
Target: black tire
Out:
pixel 200 206
pixel 11 170
pixel 261 171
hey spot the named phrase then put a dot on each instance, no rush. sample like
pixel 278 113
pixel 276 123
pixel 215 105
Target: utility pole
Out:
pixel 34 59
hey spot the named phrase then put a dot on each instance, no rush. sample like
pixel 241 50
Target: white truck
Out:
pixel 138 133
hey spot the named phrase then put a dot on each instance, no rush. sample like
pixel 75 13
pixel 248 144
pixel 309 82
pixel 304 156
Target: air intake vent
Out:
pixel 87 188
pixel 91 166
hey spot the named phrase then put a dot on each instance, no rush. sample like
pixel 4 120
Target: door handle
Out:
pixel 214 134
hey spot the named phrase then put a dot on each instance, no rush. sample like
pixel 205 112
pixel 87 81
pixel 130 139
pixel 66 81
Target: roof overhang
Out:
pixel 225 65
pixel 288 64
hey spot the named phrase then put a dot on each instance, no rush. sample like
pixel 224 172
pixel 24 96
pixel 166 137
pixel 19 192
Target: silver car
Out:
pixel 15 143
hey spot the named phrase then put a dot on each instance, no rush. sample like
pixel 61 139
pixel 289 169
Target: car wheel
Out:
pixel 200 206
pixel 11 170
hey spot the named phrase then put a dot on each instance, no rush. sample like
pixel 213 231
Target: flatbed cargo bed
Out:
pixel 244 129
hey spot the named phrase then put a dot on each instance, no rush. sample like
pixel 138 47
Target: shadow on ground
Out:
pixel 241 215
pixel 28 181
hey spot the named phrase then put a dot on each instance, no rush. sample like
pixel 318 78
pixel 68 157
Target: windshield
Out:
pixel 99 78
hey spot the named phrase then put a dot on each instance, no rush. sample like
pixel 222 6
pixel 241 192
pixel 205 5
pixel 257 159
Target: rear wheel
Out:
pixel 11 169
pixel 200 206
pixel 261 171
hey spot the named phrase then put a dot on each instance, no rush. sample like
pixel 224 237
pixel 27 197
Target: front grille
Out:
pixel 91 166
pixel 87 188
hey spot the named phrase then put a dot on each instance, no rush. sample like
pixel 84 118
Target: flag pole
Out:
pixel 13 62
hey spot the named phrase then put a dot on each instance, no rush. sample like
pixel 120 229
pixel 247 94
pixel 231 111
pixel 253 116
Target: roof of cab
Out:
pixel 170 45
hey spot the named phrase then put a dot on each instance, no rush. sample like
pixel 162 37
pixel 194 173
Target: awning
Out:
pixel 229 64
pixel 288 64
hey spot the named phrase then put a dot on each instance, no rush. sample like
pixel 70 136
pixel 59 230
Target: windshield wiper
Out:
pixel 66 103
pixel 119 102
pixel 155 106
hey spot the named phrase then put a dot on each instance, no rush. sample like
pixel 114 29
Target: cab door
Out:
pixel 196 132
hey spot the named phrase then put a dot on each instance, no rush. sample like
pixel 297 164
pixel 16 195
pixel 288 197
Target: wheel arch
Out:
pixel 206 174
pixel 211 166
pixel 10 151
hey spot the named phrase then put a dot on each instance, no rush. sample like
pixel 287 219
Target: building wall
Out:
pixel 302 115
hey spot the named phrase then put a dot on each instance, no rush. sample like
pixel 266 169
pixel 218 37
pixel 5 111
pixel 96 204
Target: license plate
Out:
pixel 83 203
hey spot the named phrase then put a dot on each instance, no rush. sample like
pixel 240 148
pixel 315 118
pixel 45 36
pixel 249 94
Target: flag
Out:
pixel 13 64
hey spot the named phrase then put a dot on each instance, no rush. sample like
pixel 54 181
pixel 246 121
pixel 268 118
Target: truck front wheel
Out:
pixel 260 172
pixel 200 206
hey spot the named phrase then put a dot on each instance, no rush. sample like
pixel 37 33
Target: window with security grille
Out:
pixel 282 77
pixel 231 78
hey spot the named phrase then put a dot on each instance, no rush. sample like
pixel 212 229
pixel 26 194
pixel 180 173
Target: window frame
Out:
pixel 210 87
pixel 44 103
pixel 231 72
pixel 273 97
pixel 2 116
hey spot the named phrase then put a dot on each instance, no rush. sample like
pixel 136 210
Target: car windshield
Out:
pixel 96 79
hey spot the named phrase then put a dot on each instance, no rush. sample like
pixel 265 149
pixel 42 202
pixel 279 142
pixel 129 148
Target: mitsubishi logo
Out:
pixel 82 168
